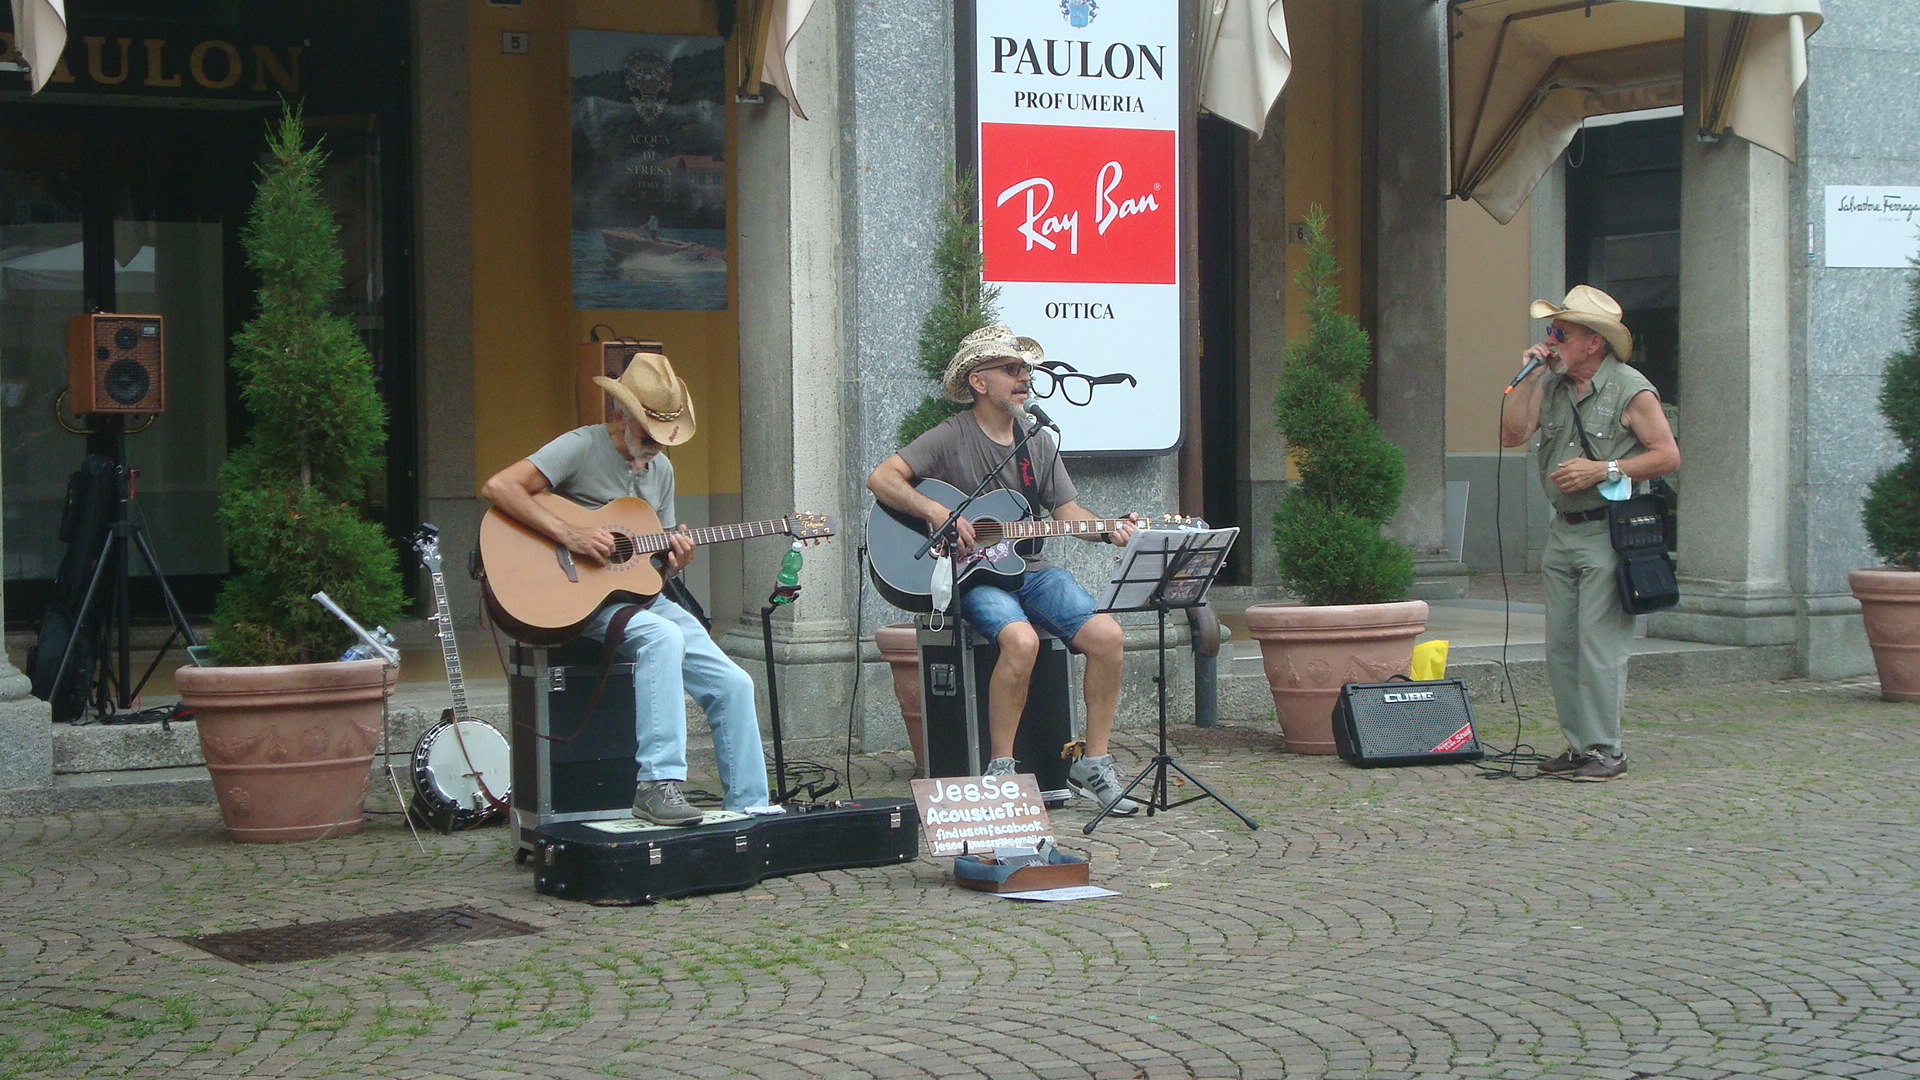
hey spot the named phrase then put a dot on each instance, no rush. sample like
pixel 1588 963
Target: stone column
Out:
pixel 443 184
pixel 793 378
pixel 1735 398
pixel 1410 258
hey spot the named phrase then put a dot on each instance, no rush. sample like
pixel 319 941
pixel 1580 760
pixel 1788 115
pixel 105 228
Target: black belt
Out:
pixel 1575 517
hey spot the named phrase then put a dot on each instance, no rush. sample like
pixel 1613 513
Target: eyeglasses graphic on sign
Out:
pixel 1077 388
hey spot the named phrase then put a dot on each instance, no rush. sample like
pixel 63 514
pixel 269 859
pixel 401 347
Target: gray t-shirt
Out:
pixel 584 466
pixel 959 453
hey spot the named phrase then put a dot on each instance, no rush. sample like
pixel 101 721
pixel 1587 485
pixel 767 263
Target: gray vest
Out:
pixel 1600 413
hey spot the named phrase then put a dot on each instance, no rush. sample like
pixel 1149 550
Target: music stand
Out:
pixel 1164 569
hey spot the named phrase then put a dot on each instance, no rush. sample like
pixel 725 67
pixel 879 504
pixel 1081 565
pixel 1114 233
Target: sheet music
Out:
pixel 1197 554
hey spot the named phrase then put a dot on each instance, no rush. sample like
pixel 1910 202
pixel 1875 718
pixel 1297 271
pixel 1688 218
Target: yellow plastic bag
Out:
pixel 1429 661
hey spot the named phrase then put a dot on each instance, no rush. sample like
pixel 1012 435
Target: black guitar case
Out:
pixel 92 494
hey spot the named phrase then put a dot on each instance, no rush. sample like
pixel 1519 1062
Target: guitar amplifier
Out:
pixel 569 763
pixel 1404 723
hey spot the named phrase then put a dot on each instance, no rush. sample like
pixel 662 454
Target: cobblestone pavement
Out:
pixel 1742 904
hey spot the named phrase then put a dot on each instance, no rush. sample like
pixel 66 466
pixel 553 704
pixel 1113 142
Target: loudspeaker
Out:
pixel 1404 723
pixel 115 364
pixel 569 764
pixel 607 358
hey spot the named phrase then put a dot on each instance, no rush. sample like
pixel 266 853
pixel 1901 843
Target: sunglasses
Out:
pixel 1557 334
pixel 1015 370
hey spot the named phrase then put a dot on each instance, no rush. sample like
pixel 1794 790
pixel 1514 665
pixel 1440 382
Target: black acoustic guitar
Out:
pixel 1002 521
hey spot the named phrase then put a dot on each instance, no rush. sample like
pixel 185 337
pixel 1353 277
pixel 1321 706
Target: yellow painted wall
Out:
pixel 525 328
pixel 1323 141
pixel 1487 327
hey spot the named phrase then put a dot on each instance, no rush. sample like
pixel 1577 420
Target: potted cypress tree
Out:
pixel 1890 596
pixel 962 303
pixel 1354 623
pixel 288 737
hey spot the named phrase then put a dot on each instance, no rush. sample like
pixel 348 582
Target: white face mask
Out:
pixel 943 583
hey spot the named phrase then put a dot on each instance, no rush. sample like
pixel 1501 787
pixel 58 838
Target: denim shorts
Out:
pixel 1048 598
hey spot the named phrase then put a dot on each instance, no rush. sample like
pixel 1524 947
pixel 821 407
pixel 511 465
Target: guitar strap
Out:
pixel 1029 487
pixel 609 654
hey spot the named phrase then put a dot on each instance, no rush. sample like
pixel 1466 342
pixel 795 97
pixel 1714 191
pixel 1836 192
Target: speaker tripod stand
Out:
pixel 104 617
pixel 1164 570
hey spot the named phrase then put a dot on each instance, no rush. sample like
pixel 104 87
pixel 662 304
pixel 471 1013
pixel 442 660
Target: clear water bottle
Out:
pixel 360 650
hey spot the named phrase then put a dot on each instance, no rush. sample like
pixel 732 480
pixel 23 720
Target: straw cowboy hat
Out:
pixel 1594 310
pixel 655 396
pixel 994 342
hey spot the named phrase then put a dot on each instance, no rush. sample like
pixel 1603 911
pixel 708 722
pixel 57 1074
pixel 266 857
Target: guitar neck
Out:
pixel 714 534
pixel 448 651
pixel 1024 530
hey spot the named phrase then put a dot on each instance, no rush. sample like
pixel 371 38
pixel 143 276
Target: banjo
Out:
pixel 462 767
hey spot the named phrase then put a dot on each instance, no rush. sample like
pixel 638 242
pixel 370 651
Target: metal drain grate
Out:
pixel 399 932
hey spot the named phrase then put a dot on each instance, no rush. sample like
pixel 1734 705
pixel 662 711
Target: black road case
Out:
pixel 953 700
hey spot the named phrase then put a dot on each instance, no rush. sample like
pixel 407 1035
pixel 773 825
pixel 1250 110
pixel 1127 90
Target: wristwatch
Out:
pixel 1613 472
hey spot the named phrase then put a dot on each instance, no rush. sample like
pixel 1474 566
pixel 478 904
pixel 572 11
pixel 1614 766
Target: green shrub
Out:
pixel 961 305
pixel 291 495
pixel 1891 512
pixel 1327 530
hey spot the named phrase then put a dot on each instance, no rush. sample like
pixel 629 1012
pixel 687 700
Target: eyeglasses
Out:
pixel 1077 388
pixel 1557 334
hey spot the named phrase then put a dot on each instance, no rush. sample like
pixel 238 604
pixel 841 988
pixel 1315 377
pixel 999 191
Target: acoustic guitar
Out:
pixel 541 594
pixel 1002 522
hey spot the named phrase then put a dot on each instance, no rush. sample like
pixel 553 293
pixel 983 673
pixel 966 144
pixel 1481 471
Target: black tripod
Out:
pixel 111 688
pixel 1166 570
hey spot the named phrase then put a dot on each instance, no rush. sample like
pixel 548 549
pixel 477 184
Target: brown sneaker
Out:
pixel 1598 768
pixel 1567 762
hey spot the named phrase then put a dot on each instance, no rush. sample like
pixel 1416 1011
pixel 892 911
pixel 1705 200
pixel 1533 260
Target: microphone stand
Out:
pixel 946 531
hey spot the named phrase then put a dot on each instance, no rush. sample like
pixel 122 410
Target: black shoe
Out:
pixel 1568 761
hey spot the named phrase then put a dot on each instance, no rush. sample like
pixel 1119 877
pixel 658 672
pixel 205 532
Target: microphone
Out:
pixel 1526 369
pixel 1038 417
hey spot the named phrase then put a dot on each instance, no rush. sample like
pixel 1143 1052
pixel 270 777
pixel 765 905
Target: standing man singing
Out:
pixel 1598 420
pixel 671 652
pixel 993 371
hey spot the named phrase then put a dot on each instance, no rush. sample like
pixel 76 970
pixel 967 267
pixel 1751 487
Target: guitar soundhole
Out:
pixel 625 548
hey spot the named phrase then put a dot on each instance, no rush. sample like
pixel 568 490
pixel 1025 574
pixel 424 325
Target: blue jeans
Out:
pixel 673 656
pixel 1048 598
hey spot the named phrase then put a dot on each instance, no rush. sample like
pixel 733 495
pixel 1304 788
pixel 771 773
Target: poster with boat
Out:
pixel 649 126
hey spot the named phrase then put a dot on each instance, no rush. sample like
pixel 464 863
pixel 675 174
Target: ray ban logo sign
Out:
pixel 1407 695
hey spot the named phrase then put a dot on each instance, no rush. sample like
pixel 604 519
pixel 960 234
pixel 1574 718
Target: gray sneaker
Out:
pixel 1094 778
pixel 1002 766
pixel 661 802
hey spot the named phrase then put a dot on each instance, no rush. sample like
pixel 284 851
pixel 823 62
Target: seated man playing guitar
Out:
pixel 671 652
pixel 993 370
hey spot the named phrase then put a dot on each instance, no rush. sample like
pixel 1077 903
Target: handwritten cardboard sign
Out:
pixel 959 814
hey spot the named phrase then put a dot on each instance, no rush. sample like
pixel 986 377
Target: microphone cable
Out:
pixel 1521 752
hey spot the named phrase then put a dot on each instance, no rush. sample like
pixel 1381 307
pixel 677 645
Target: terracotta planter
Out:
pixel 1309 652
pixel 1890 601
pixel 289 748
pixel 899 647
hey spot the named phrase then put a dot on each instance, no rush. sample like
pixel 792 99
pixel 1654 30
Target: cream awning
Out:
pixel 766 55
pixel 1247 59
pixel 40 33
pixel 1526 73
